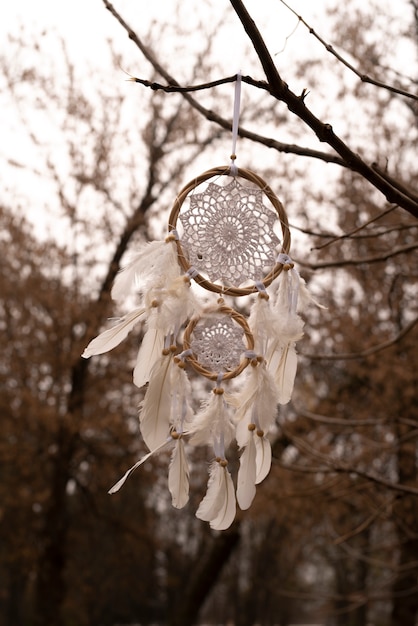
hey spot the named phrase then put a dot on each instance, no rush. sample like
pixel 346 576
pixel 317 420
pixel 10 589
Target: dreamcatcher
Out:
pixel 223 243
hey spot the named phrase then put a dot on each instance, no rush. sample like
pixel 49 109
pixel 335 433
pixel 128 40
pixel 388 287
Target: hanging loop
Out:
pixel 235 124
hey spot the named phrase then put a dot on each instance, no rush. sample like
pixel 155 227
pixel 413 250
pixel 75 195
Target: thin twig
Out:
pixel 345 356
pixel 337 421
pixel 214 83
pixel 355 230
pixel 378 258
pixel 363 525
pixel 340 466
pixel 367 235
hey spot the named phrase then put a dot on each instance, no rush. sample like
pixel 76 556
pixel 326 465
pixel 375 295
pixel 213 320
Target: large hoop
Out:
pixel 261 184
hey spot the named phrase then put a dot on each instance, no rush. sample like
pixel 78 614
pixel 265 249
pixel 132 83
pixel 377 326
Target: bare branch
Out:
pixel 363 353
pixel 363 77
pixel 214 83
pixel 336 421
pixel 340 466
pixel 355 230
pixel 379 258
pixel 279 90
pixel 366 523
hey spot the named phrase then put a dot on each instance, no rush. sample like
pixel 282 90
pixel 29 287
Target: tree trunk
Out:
pixel 203 576
pixel 404 589
pixel 50 583
pixel 14 613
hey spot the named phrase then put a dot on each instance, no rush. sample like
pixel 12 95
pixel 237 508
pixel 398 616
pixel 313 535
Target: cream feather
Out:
pixel 181 411
pixel 155 263
pixel 266 399
pixel 287 291
pixel 247 474
pixel 283 367
pixel 218 507
pixel 212 502
pixel 154 415
pixel 244 401
pixel 257 403
pixel 281 355
pixel 150 350
pixel 178 303
pixel 264 324
pixel 112 337
pixel 178 476
pixel 212 423
pixel 263 458
pixel 169 308
pixel 226 514
pixel 124 478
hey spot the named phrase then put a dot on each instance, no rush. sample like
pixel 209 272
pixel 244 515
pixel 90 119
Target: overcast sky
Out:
pixel 86 24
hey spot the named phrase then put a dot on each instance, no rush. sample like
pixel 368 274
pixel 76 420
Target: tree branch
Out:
pixel 214 83
pixel 175 87
pixel 345 356
pixel 340 466
pixel 280 90
pixel 379 258
pixel 363 77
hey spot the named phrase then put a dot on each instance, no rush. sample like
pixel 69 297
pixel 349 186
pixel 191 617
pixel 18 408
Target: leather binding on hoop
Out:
pixel 282 216
pixel 193 360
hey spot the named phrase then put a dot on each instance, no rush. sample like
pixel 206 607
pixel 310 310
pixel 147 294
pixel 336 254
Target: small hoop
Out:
pixel 191 357
pixel 261 184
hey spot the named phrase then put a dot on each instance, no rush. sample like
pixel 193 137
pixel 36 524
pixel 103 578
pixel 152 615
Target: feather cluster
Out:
pixel 166 303
pixel 246 415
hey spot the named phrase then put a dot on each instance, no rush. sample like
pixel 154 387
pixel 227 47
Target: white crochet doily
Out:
pixel 228 233
pixel 218 343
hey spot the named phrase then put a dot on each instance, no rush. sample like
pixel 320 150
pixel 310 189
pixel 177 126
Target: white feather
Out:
pixel 212 423
pixel 266 404
pixel 247 474
pixel 283 367
pixel 178 303
pixel 154 415
pixel 219 505
pixel 263 458
pixel 257 403
pixel 264 324
pixel 244 401
pixel 226 514
pixel 150 350
pixel 287 291
pixel 290 332
pixel 155 263
pixel 110 338
pixel 178 476
pixel 212 502
pixel 122 480
pixel 281 355
pixel 181 411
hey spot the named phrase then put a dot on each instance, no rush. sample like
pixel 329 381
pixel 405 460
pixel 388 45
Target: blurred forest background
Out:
pixel 332 536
